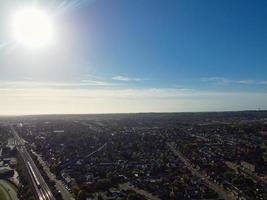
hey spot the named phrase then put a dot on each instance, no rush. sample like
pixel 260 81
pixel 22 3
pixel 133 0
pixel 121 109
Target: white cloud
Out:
pixel 263 82
pixel 126 78
pixel 94 83
pixel 35 84
pixel 226 81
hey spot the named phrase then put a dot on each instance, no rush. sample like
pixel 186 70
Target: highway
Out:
pixel 221 191
pixel 66 195
pixel 41 189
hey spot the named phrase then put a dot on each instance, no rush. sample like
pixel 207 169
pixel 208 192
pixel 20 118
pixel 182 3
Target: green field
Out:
pixel 7 191
pixel 4 194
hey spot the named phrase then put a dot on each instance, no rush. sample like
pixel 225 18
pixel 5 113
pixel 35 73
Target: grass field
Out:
pixel 4 194
pixel 7 191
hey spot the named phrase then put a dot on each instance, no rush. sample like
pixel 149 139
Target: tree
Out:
pixel 81 195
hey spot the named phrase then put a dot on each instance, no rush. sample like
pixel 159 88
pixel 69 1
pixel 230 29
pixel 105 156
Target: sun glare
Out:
pixel 32 27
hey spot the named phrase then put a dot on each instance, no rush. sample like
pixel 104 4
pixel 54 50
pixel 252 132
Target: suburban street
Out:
pixel 224 194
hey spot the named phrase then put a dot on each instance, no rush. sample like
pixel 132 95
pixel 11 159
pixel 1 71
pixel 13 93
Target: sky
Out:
pixel 120 56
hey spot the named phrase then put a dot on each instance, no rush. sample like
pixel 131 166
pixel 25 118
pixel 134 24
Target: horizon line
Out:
pixel 131 113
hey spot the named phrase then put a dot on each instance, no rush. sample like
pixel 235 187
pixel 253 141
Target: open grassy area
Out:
pixel 14 187
pixel 4 194
pixel 8 191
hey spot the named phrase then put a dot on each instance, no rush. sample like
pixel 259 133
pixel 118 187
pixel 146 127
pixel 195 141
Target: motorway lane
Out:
pixel 44 187
pixel 42 190
pixel 66 195
pixel 38 184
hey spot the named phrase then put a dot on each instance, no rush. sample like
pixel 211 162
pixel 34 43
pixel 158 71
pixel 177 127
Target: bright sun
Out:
pixel 32 27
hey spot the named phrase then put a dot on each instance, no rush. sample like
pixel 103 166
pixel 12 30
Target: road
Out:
pixel 221 191
pixel 41 189
pixel 66 195
pixel 94 152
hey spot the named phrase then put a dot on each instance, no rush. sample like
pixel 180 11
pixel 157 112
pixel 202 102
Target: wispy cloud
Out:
pixel 226 81
pixel 66 5
pixel 36 84
pixel 94 96
pixel 110 100
pixel 126 78
pixel 94 83
pixel 263 82
pixel 3 45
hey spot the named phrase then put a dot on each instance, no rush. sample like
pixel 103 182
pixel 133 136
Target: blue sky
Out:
pixel 141 56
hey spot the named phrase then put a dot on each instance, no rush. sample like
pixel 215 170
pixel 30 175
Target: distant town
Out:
pixel 148 156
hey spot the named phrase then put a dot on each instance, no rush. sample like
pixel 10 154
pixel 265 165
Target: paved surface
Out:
pixel 41 189
pixel 8 190
pixel 223 193
pixel 66 195
pixel 96 151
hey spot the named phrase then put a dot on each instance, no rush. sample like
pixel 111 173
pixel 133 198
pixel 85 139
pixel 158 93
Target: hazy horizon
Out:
pixel 96 56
